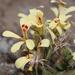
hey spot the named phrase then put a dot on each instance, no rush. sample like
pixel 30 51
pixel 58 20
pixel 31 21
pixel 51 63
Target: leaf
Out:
pixel 62 11
pixel 16 46
pixel 21 62
pixel 64 17
pixel 65 11
pixel 55 11
pixel 53 36
pixel 44 43
pixel 73 55
pixel 67 26
pixel 74 41
pixel 70 9
pixel 30 44
pixel 59 29
pixel 67 17
pixel 10 34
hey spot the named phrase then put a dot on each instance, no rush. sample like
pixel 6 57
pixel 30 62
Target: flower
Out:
pixel 24 22
pixel 34 18
pixel 59 25
pixel 60 22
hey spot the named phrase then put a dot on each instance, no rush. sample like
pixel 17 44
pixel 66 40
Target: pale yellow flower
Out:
pixel 35 18
pixel 24 22
pixel 60 23
pixel 63 12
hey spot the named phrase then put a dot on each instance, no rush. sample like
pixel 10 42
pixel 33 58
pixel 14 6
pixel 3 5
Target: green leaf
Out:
pixel 67 54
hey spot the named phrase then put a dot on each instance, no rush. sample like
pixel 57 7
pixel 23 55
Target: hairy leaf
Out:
pixel 10 34
pixel 30 44
pixel 16 46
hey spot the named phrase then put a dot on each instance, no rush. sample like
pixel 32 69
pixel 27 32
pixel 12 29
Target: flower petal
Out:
pixel 16 46
pixel 30 44
pixel 21 62
pixel 21 15
pixel 52 25
pixel 36 12
pixel 36 17
pixel 67 17
pixel 65 11
pixel 44 43
pixel 25 21
pixel 10 34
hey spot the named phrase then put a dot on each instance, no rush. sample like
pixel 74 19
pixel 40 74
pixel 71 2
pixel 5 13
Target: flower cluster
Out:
pixel 34 46
pixel 35 18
